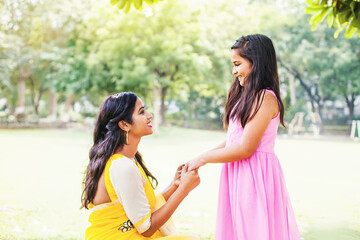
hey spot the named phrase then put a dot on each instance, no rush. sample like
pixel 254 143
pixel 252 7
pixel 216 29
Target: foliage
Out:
pixel 325 68
pixel 126 4
pixel 174 54
pixel 341 14
pixel 36 36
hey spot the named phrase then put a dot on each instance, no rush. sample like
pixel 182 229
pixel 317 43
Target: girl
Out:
pixel 253 201
pixel 117 183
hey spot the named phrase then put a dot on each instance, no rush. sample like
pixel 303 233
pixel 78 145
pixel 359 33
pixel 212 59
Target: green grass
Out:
pixel 41 174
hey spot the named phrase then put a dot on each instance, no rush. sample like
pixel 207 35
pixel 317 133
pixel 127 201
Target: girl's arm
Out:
pixel 222 145
pixel 189 180
pixel 250 139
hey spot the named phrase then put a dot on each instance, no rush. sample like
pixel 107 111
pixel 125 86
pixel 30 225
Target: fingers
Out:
pixel 180 167
pixel 183 170
pixel 191 166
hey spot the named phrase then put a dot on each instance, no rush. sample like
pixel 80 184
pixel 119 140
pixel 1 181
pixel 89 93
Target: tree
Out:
pixel 342 71
pixel 40 30
pixel 341 14
pixel 149 55
pixel 325 68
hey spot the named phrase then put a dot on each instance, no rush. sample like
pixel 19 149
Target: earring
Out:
pixel 127 138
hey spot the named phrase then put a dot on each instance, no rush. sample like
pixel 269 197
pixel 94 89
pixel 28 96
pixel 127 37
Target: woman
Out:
pixel 117 183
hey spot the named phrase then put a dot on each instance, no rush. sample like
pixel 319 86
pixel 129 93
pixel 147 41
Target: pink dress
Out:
pixel 253 200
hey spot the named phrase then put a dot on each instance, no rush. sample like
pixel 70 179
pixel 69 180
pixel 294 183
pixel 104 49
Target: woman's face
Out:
pixel 241 68
pixel 141 121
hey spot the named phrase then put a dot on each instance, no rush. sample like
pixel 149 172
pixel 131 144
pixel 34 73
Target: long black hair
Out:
pixel 259 51
pixel 109 137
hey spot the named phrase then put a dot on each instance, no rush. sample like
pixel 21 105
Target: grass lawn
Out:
pixel 41 174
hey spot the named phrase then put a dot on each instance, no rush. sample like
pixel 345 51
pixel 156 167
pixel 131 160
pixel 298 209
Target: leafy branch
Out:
pixel 341 14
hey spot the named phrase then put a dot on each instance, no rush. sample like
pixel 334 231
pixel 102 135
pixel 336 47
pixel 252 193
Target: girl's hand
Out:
pixel 195 164
pixel 189 179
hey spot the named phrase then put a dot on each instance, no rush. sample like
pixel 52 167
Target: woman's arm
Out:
pixel 250 139
pixel 189 180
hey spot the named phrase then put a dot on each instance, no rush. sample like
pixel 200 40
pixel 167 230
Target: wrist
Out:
pixel 202 159
pixel 182 190
pixel 173 186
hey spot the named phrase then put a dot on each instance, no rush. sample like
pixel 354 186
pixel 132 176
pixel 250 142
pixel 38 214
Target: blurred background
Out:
pixel 60 59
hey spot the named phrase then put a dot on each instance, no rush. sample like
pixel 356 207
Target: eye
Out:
pixel 142 111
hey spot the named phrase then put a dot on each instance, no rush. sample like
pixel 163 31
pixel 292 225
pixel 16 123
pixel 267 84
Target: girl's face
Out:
pixel 241 68
pixel 141 118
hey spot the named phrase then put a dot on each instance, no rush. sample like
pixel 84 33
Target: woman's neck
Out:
pixel 129 150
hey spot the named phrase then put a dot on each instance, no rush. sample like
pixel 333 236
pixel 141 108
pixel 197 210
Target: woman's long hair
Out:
pixel 108 137
pixel 259 51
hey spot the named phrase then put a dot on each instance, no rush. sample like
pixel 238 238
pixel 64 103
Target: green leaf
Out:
pixel 330 19
pixel 128 6
pixel 344 16
pixel 336 34
pixel 114 2
pixel 138 4
pixel 356 20
pixel 316 19
pixel 122 4
pixel 313 9
pixel 150 2
pixel 350 31
pixel 312 2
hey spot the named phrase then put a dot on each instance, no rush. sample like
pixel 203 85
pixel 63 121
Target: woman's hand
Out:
pixel 167 192
pixel 189 179
pixel 176 181
pixel 195 164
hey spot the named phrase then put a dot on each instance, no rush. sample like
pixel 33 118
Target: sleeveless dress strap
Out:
pixel 272 92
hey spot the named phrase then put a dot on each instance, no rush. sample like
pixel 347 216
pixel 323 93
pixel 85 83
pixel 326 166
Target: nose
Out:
pixel 150 116
pixel 234 72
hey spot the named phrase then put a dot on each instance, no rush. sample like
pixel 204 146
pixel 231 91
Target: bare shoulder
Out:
pixel 270 103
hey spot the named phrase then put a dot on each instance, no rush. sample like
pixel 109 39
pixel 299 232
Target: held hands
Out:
pixel 188 179
pixel 195 164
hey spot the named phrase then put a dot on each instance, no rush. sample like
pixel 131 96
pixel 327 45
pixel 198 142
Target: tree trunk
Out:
pixel 21 92
pixel 65 116
pixel 163 107
pixel 52 105
pixel 69 102
pixel 350 104
pixel 156 117
pixel 20 109
pixel 313 97
pixel 35 101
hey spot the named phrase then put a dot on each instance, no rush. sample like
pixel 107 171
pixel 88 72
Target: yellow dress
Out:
pixel 109 220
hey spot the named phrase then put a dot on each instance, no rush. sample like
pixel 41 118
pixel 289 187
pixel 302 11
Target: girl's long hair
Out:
pixel 259 51
pixel 109 137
